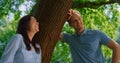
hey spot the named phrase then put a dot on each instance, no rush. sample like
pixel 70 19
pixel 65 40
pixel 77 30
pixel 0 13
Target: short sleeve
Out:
pixel 104 39
pixel 11 49
pixel 65 37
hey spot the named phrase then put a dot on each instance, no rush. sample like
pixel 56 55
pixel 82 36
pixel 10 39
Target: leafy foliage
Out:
pixel 6 34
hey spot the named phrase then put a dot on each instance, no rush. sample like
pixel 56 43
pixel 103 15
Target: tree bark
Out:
pixel 51 15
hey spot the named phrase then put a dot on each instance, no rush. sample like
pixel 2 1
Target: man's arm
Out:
pixel 61 37
pixel 116 51
pixel 69 14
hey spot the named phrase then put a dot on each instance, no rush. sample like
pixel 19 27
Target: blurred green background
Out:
pixel 102 15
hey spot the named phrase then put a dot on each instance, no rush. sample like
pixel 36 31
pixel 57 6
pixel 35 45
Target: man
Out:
pixel 85 44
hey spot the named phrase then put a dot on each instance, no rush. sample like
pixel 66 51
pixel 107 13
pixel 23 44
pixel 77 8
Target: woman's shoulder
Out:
pixel 18 36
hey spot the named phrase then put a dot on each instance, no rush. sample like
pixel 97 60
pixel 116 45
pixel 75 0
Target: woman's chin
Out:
pixel 37 30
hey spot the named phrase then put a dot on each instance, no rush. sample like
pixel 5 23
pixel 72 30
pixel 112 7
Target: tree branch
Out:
pixel 93 4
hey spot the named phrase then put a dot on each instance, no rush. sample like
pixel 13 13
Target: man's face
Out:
pixel 76 21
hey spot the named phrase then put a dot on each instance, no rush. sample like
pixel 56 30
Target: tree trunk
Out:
pixel 51 15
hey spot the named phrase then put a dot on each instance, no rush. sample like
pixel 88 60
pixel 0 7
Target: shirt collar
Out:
pixel 84 32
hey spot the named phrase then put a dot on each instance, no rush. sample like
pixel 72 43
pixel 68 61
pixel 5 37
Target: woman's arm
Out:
pixel 11 49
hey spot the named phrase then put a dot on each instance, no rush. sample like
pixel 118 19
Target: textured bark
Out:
pixel 51 15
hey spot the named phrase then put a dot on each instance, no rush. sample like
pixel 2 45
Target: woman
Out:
pixel 21 48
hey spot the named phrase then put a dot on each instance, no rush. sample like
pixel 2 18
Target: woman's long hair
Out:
pixel 23 27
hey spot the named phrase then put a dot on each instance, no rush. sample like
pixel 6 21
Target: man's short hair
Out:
pixel 76 12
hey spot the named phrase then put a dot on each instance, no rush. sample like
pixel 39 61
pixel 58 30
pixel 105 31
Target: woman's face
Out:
pixel 34 25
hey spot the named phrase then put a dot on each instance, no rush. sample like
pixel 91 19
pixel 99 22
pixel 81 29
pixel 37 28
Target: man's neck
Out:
pixel 79 31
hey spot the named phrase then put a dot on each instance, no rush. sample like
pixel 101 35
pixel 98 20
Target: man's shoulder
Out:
pixel 92 31
pixel 67 33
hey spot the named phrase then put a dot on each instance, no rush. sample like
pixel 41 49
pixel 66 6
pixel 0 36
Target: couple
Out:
pixel 85 44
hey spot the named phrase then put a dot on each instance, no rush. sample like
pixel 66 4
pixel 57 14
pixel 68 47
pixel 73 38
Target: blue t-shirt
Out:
pixel 86 48
pixel 16 52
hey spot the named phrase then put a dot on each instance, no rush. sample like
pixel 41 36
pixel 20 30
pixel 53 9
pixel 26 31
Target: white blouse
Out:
pixel 16 52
